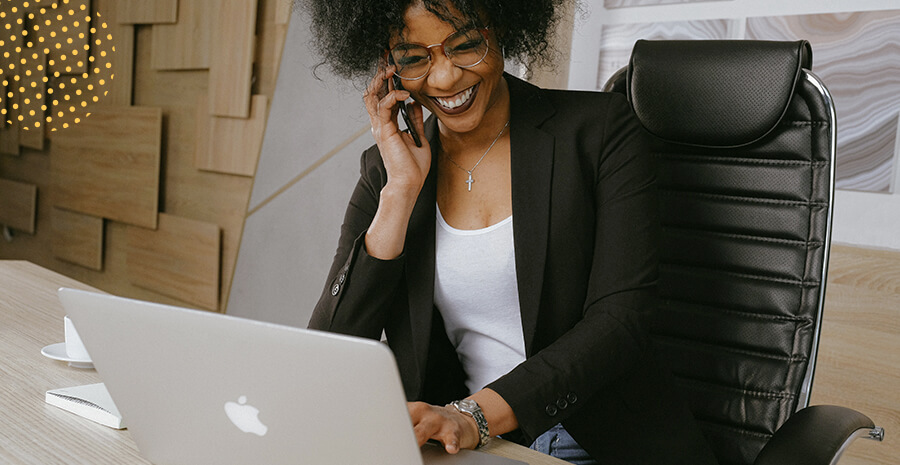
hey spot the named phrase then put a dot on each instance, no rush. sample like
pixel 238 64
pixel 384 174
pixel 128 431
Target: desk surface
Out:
pixel 33 432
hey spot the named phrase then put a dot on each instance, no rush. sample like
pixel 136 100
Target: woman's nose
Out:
pixel 443 73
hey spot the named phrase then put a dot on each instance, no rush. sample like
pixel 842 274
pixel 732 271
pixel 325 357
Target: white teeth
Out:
pixel 451 104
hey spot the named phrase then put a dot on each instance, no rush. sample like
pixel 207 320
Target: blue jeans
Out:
pixel 557 442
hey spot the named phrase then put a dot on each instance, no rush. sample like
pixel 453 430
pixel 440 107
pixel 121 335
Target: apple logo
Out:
pixel 245 417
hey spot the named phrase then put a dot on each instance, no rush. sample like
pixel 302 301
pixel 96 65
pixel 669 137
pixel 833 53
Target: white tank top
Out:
pixel 476 292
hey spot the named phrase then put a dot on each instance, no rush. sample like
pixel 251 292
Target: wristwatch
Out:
pixel 471 408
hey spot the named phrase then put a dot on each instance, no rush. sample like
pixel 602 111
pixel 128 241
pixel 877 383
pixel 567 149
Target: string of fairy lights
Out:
pixel 55 62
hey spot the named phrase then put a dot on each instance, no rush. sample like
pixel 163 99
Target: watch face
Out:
pixel 469 405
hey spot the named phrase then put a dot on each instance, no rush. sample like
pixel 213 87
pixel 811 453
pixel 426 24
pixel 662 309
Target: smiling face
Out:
pixel 463 99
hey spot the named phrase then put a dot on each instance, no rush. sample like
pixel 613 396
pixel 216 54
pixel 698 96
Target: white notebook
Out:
pixel 91 401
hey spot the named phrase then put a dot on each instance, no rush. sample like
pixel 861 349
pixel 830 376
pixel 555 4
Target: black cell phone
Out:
pixel 398 84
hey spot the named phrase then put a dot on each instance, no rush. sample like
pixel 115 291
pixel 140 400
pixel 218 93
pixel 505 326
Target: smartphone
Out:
pixel 398 84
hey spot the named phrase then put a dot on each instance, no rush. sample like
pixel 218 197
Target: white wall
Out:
pixel 308 167
pixel 861 218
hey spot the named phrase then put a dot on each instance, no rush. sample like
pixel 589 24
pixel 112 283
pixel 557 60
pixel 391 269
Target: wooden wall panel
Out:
pixel 122 86
pixel 147 11
pixel 78 238
pixel 18 205
pixel 185 44
pixel 231 58
pixel 72 34
pixel 9 125
pixel 282 12
pixel 231 145
pixel 34 107
pixel 108 165
pixel 184 190
pixel 181 259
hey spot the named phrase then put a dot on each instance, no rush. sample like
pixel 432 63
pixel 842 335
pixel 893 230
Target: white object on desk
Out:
pixel 72 351
pixel 74 347
pixel 91 401
pixel 58 352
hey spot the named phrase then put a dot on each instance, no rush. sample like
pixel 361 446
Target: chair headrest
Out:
pixel 719 93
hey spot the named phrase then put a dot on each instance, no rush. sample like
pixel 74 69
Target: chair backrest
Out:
pixel 745 139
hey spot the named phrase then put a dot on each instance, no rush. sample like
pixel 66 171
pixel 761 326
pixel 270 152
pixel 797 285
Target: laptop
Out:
pixel 197 387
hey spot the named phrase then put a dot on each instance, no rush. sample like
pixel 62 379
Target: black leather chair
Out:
pixel 745 139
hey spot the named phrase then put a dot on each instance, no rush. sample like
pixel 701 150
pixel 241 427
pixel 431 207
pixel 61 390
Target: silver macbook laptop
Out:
pixel 197 387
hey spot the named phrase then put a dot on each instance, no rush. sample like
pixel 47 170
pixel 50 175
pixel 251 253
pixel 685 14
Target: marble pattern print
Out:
pixel 630 3
pixel 857 55
pixel 617 40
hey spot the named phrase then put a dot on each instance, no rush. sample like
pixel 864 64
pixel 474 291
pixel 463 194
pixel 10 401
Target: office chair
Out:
pixel 744 135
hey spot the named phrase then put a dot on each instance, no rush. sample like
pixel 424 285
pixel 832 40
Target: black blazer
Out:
pixel 585 235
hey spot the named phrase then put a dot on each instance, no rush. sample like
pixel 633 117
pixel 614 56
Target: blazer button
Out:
pixel 561 403
pixel 551 410
pixel 335 289
pixel 342 277
pixel 572 398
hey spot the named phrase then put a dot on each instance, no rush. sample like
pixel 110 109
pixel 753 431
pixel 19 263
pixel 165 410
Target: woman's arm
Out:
pixel 406 166
pixel 368 264
pixel 619 282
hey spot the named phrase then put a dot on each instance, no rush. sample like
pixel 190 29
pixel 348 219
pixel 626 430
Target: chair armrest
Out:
pixel 817 435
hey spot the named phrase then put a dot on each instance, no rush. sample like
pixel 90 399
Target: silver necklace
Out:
pixel 471 180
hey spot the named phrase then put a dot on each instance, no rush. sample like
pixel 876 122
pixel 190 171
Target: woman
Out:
pixel 507 259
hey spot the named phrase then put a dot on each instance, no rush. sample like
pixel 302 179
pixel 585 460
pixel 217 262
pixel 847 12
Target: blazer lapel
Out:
pixel 532 152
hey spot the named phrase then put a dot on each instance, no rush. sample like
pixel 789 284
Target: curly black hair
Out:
pixel 352 35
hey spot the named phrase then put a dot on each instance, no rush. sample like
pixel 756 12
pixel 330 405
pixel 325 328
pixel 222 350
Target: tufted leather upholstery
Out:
pixel 745 147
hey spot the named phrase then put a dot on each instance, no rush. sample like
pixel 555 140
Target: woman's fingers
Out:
pixel 382 104
pixel 444 424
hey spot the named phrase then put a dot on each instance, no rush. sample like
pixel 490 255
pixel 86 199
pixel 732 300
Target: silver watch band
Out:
pixel 471 408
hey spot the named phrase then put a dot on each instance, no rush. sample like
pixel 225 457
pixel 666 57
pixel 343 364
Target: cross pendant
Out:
pixel 470 180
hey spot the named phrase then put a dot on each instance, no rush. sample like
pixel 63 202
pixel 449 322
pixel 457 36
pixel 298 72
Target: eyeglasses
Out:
pixel 466 48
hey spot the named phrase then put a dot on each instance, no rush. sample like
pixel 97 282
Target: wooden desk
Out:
pixel 33 432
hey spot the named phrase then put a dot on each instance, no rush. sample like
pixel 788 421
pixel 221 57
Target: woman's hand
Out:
pixel 455 430
pixel 407 166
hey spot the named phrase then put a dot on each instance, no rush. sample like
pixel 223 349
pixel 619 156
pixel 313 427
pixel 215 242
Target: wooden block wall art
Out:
pixel 231 145
pixel 283 11
pixel 120 89
pixel 185 44
pixel 11 28
pixel 9 133
pixel 77 238
pixel 34 104
pixel 181 259
pixel 18 205
pixel 61 63
pixel 66 29
pixel 109 165
pixel 147 11
pixel 231 58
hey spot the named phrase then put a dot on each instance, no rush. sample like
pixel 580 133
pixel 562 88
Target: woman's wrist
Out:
pixel 386 236
pixel 400 193
pixel 498 414
pixel 474 418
